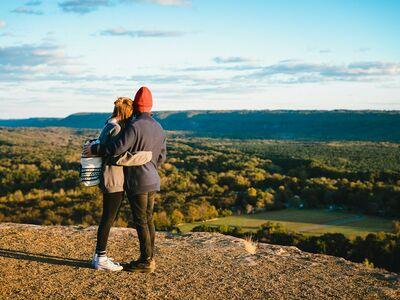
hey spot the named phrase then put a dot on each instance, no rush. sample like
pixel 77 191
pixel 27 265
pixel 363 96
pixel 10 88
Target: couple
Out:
pixel 131 129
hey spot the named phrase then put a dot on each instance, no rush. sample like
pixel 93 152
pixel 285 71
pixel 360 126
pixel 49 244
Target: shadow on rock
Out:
pixel 43 258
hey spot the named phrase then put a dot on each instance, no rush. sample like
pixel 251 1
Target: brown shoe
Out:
pixel 141 266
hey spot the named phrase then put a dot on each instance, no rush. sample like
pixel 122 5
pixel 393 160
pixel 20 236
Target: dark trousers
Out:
pixel 111 205
pixel 142 210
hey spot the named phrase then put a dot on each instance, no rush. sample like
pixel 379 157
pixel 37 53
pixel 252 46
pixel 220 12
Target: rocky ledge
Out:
pixel 39 262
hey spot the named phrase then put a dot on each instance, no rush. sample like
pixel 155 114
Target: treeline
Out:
pixel 202 178
pixel 376 249
pixel 261 124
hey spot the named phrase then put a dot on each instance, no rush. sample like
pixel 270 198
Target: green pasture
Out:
pixel 310 222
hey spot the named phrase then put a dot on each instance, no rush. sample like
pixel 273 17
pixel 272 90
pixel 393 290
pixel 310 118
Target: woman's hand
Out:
pixel 87 151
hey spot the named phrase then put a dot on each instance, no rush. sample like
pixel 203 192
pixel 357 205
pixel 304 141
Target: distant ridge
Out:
pixel 363 125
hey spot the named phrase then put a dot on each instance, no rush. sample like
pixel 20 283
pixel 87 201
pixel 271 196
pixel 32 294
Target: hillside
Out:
pixel 38 262
pixel 263 124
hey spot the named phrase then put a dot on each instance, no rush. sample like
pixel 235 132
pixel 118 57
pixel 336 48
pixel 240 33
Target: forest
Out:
pixel 203 178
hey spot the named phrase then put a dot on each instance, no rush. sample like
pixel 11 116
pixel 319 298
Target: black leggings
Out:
pixel 111 205
pixel 142 211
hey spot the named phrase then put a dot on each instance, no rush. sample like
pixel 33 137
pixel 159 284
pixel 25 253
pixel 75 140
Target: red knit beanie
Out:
pixel 143 100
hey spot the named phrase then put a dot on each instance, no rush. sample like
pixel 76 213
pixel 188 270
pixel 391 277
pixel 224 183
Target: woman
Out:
pixel 112 183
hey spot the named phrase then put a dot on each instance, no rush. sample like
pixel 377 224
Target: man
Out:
pixel 142 182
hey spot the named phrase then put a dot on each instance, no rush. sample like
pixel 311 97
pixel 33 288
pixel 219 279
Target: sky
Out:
pixel 59 57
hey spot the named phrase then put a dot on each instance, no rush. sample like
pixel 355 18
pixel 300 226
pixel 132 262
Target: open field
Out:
pixel 311 221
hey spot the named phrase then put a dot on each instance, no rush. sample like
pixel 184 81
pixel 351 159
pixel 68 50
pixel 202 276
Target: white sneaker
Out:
pixel 93 261
pixel 105 263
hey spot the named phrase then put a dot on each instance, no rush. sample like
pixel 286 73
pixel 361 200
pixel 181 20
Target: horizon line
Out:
pixel 220 110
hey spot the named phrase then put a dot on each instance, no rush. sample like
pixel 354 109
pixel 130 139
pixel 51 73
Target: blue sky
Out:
pixel 66 56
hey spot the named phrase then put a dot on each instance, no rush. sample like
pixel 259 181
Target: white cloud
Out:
pixel 33 3
pixel 325 51
pixel 26 10
pixel 230 60
pixel 364 49
pixel 88 6
pixel 83 6
pixel 120 31
pixel 170 2
pixel 3 24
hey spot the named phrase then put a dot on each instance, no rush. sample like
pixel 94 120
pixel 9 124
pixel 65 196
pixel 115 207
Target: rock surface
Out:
pixel 39 262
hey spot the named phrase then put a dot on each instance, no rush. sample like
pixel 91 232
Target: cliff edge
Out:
pixel 39 262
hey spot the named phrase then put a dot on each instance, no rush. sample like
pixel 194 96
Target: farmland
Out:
pixel 309 221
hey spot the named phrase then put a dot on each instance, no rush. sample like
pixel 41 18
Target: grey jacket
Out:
pixel 140 134
pixel 112 179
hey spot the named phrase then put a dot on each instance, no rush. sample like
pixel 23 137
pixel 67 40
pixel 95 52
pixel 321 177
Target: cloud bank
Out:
pixel 34 62
pixel 300 72
pixel 50 62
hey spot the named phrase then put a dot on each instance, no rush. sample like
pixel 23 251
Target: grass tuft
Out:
pixel 250 245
